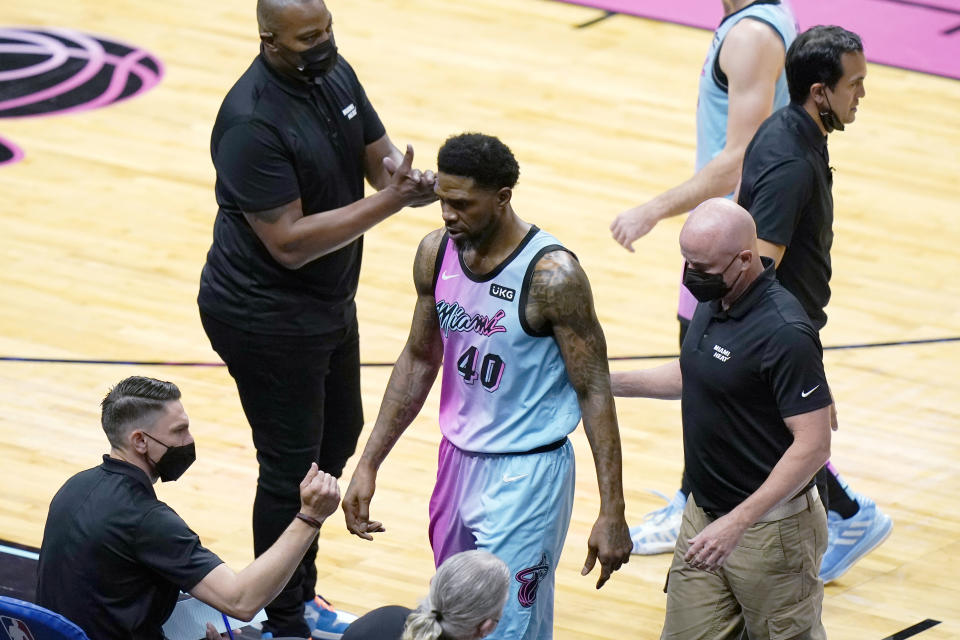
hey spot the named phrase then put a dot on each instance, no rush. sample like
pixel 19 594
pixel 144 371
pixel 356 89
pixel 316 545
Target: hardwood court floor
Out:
pixel 106 222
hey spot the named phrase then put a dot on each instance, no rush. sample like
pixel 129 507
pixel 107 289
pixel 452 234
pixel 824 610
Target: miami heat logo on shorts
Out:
pixel 529 580
pixel 52 70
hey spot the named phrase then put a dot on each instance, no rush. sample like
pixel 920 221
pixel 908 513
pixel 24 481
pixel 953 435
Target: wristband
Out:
pixel 313 522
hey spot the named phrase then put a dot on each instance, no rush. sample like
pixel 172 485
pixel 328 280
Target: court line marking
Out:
pixel 914 630
pixel 161 363
pixel 590 23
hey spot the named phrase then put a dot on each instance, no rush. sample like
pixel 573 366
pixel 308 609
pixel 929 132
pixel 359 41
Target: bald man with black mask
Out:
pixel 756 427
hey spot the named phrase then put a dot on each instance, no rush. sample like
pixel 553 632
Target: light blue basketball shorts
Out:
pixel 517 507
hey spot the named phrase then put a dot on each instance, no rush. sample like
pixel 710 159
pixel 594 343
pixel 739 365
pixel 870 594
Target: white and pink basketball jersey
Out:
pixel 505 387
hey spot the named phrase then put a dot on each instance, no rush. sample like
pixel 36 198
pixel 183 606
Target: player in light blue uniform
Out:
pixel 508 314
pixel 750 37
pixel 505 477
pixel 741 83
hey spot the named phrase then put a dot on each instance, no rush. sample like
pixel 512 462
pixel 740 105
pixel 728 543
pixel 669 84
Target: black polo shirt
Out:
pixel 786 186
pixel 114 558
pixel 275 140
pixel 745 370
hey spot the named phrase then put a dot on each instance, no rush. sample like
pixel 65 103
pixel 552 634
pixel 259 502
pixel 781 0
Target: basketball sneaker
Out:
pixel 659 530
pixel 325 622
pixel 851 539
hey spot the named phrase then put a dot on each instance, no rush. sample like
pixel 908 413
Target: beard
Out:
pixel 464 243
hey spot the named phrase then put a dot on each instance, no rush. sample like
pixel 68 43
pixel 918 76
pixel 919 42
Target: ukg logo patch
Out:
pixel 50 71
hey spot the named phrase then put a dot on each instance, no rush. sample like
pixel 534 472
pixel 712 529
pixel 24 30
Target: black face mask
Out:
pixel 829 118
pixel 317 61
pixel 174 461
pixel 707 286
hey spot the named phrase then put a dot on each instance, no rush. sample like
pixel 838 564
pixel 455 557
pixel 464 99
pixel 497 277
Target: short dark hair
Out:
pixel 484 158
pixel 130 400
pixel 816 56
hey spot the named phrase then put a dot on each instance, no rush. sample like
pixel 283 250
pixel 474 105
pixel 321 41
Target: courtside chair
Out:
pixel 21 620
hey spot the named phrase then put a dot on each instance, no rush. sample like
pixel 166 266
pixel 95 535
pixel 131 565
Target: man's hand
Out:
pixel 710 548
pixel 319 493
pixel 414 187
pixel 635 223
pixel 610 543
pixel 356 504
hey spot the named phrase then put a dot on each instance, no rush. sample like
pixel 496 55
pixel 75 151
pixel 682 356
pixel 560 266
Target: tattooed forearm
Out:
pixel 410 383
pixel 416 368
pixel 560 299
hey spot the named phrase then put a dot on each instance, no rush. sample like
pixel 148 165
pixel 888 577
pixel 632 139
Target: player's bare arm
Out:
pixel 752 58
pixel 560 300
pixel 410 383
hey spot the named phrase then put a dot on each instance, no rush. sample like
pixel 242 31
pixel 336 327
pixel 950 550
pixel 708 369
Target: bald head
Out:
pixel 719 243
pixel 718 227
pixel 272 15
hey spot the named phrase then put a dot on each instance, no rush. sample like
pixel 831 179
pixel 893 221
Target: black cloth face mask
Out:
pixel 707 286
pixel 174 461
pixel 317 61
pixel 829 117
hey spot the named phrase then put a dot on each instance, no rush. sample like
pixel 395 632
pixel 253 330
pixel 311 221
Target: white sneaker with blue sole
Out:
pixel 659 530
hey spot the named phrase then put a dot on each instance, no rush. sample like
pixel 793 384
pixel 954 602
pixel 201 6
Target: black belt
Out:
pixel 553 446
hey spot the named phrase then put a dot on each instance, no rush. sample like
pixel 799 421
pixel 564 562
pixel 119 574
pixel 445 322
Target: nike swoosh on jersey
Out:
pixel 804 394
pixel 449 276
pixel 508 478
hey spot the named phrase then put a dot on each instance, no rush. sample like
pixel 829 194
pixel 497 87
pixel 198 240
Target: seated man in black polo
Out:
pixel 114 558
pixel 756 427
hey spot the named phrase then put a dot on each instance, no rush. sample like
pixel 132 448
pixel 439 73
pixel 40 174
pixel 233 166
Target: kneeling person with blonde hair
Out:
pixel 465 601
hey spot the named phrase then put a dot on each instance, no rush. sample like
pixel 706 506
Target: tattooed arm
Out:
pixel 560 300
pixel 411 381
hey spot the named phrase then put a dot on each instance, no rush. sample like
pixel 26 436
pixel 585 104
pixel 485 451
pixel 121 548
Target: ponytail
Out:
pixel 468 589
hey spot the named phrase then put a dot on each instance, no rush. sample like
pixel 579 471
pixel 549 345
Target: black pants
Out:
pixel 301 396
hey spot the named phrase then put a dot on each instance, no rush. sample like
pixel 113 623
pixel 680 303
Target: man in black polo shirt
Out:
pixel 756 427
pixel 292 144
pixel 786 186
pixel 114 558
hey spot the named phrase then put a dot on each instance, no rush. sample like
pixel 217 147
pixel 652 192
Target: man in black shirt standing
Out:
pixel 114 558
pixel 756 427
pixel 292 144
pixel 786 186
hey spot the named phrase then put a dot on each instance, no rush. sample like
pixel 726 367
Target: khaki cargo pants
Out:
pixel 769 587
